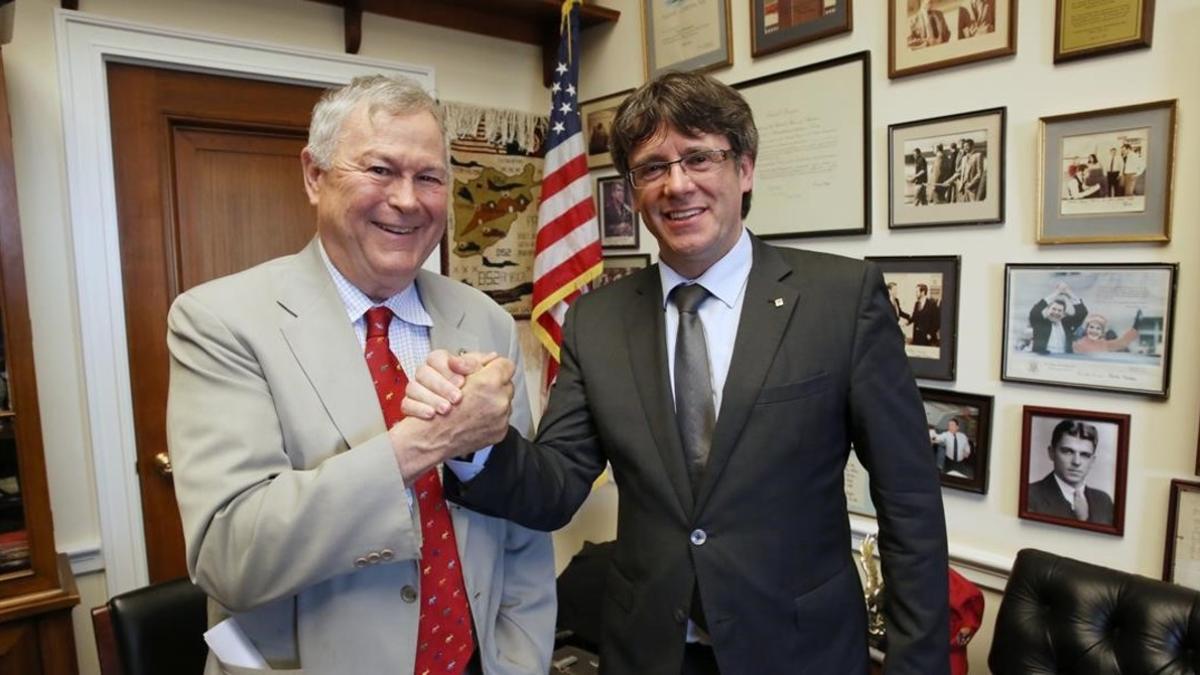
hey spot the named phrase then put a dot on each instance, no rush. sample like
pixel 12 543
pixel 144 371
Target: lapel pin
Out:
pixel 778 302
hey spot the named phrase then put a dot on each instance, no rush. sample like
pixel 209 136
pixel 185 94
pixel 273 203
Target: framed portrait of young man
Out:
pixel 1073 466
pixel 923 292
pixel 925 35
pixel 619 223
pixel 960 435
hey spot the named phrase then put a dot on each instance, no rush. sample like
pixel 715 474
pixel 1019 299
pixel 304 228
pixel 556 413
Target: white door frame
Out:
pixel 85 44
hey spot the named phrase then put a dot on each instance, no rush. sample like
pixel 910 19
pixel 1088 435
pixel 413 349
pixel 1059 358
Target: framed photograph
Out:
pixel 960 435
pixel 814 126
pixel 856 483
pixel 947 170
pixel 687 36
pixel 1086 28
pixel 1100 326
pixel 924 294
pixel 926 35
pixel 1181 560
pixel 1106 175
pixel 1073 466
pixel 621 265
pixel 779 24
pixel 619 225
pixel 597 118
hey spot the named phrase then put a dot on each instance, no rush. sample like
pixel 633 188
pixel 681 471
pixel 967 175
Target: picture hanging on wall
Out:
pixel 1100 326
pixel 925 35
pixel 1073 465
pixel 621 265
pixel 776 25
pixel 960 436
pixel 1086 28
pixel 923 292
pixel 686 36
pixel 597 118
pixel 1106 175
pixel 1181 559
pixel 619 224
pixel 947 170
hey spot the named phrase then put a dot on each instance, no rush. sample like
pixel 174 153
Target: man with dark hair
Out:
pixel 956 450
pixel 920 177
pixel 1054 320
pixel 725 386
pixel 1064 492
pixel 926 319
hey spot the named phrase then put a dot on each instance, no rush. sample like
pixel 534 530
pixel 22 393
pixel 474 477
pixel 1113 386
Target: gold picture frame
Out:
pixel 597 116
pixel 1087 28
pixel 925 35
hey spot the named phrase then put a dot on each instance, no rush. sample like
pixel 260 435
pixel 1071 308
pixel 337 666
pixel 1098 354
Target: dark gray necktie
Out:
pixel 694 410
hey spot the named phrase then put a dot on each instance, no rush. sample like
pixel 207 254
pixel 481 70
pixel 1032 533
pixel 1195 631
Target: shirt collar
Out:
pixel 406 304
pixel 1067 490
pixel 724 280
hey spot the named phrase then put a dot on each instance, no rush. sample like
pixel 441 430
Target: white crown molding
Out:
pixel 85 44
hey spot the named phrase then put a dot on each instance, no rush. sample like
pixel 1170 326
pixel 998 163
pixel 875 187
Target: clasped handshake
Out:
pixel 453 406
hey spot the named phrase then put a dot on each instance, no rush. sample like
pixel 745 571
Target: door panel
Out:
pixel 208 182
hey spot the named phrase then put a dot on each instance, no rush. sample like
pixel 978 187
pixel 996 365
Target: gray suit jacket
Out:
pixel 287 483
pixel 818 363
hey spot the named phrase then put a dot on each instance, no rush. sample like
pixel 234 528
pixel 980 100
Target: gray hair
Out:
pixel 391 94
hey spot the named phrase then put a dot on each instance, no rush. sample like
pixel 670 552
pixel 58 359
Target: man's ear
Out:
pixel 312 176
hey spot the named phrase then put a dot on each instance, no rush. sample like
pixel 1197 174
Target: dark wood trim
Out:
pixel 353 17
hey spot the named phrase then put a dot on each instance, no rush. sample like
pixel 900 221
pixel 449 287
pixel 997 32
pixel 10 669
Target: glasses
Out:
pixel 693 164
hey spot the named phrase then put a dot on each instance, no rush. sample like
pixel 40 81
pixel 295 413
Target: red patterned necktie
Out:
pixel 444 640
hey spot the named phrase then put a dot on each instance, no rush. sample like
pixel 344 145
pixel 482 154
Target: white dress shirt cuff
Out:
pixel 466 470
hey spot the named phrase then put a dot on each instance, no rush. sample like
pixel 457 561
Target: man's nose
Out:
pixel 677 180
pixel 401 194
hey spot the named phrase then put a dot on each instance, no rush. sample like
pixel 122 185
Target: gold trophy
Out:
pixel 872 593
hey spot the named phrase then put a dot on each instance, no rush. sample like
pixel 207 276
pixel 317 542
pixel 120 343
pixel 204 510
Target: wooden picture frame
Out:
pixel 832 192
pixel 930 327
pixel 934 181
pixel 953 417
pixel 1117 322
pixel 619 265
pixel 1106 176
pixel 1180 564
pixel 686 36
pixel 1087 28
pixel 925 35
pixel 776 25
pixel 1091 457
pixel 597 116
pixel 620 225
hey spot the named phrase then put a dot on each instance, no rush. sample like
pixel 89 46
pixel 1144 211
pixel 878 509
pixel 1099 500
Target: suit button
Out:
pixel 699 537
pixel 679 615
pixel 373 557
pixel 386 554
pixel 408 594
pixel 360 562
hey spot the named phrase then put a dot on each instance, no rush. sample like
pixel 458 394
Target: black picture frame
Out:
pixel 971 192
pixel 1042 497
pixel 619 265
pixel 932 354
pixel 1117 322
pixel 972 414
pixel 774 32
pixel 620 224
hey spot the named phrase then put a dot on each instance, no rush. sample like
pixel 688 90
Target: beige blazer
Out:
pixel 294 512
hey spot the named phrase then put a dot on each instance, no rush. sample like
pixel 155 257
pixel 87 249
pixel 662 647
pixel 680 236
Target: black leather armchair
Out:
pixel 1060 615
pixel 153 630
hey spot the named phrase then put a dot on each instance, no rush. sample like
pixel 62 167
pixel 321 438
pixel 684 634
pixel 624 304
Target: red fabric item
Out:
pixel 966 614
pixel 444 637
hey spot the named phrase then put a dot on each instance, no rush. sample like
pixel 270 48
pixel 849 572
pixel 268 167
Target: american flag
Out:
pixel 567 251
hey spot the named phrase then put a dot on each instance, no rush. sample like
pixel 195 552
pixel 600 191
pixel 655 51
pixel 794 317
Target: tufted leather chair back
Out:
pixel 159 629
pixel 1060 615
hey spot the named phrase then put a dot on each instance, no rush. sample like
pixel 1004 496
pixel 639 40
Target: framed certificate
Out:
pixel 1181 561
pixel 687 36
pixel 1086 28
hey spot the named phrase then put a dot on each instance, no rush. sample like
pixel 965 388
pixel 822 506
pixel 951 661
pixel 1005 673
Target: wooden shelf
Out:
pixel 530 21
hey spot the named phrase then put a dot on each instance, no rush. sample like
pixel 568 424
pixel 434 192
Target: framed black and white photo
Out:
pixel 923 292
pixel 814 125
pixel 1073 466
pixel 619 225
pixel 947 170
pixel 776 25
pixel 1106 175
pixel 1099 326
pixel 1181 557
pixel 686 36
pixel 597 116
pixel 960 434
pixel 926 35
pixel 621 265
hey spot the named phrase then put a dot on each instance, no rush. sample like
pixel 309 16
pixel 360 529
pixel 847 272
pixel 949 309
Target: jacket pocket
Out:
pixel 789 392
pixel 619 589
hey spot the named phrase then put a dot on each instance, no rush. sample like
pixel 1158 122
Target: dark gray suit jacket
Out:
pixel 818 363
pixel 1047 499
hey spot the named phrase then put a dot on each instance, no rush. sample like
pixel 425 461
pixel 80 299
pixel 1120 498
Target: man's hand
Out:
pixel 478 419
pixel 437 385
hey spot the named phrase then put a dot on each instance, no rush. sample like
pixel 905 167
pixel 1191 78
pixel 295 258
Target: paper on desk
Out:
pixel 229 643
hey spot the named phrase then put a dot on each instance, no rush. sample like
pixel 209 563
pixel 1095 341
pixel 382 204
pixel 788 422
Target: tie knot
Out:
pixel 378 319
pixel 687 297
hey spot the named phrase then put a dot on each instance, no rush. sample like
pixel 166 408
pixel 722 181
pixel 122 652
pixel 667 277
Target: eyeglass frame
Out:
pixel 725 155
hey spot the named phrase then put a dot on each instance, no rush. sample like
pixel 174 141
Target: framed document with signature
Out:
pixel 1181 561
pixel 688 35
pixel 1086 28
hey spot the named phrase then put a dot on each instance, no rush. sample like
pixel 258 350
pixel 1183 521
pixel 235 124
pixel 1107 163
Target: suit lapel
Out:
pixel 766 310
pixel 648 357
pixel 322 340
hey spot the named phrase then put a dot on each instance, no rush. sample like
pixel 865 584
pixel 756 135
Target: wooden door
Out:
pixel 208 182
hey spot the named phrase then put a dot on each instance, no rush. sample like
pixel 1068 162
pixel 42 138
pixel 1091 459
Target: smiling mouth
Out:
pixel 394 229
pixel 684 214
